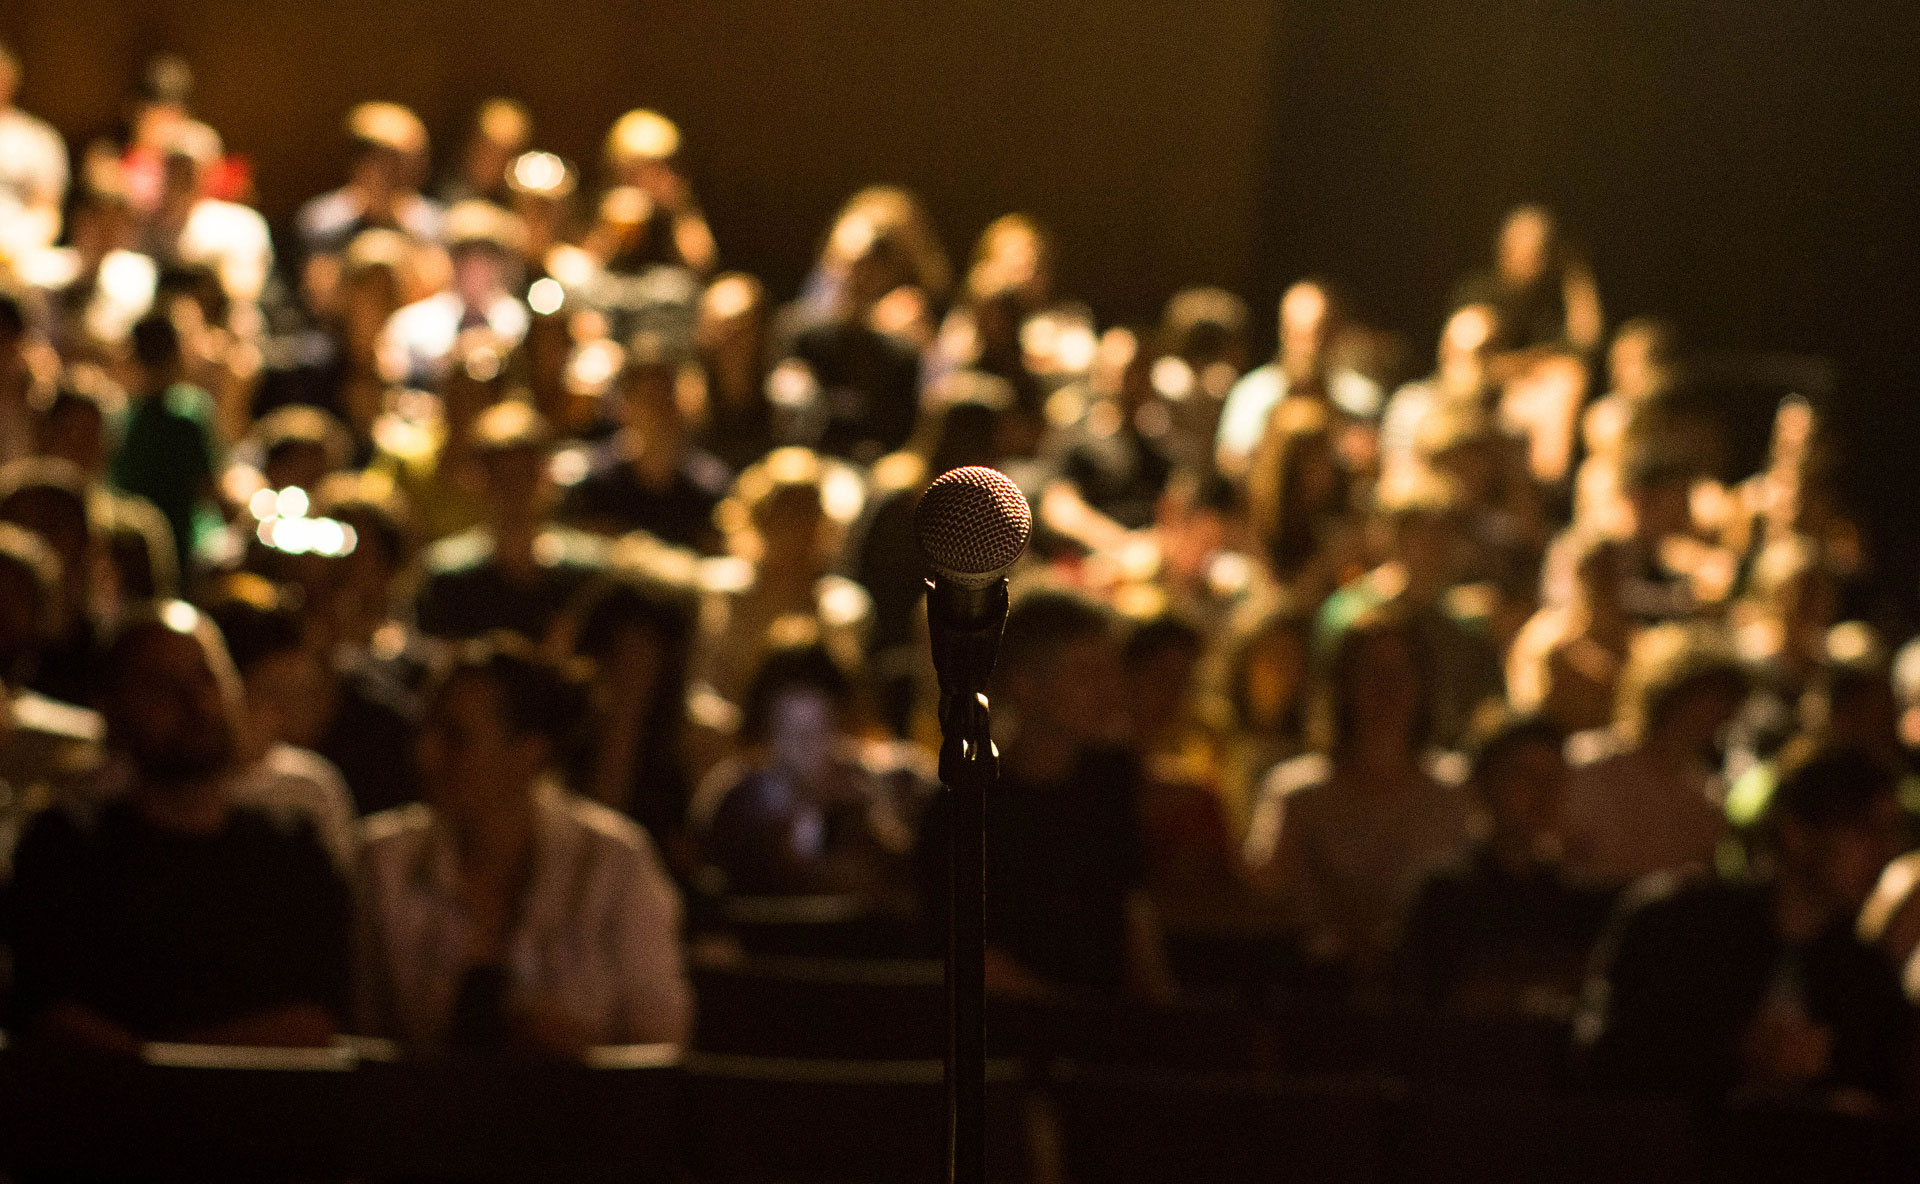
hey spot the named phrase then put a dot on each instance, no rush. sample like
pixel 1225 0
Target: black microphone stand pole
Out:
pixel 963 652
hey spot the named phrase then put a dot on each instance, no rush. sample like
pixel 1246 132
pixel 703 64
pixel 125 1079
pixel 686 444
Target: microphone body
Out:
pixel 972 525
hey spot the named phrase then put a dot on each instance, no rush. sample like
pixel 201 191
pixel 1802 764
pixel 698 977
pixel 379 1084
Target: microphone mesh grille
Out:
pixel 972 524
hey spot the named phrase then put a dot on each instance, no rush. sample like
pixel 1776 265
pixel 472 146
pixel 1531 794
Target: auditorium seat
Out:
pixel 1120 1125
pixel 1453 1136
pixel 817 927
pixel 197 1112
pixel 823 1007
pixel 756 1119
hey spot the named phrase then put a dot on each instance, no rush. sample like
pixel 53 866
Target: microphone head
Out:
pixel 972 523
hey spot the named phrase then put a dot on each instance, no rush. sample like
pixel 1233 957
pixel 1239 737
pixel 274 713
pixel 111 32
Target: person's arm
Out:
pixel 1149 975
pixel 1585 319
pixel 657 1002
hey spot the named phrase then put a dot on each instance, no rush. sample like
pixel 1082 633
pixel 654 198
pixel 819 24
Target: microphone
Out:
pixel 972 525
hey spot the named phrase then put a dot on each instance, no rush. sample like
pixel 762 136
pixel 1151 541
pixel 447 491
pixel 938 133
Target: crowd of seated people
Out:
pixel 415 618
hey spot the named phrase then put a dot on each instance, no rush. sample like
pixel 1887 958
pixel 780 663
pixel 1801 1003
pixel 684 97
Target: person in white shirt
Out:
pixel 484 242
pixel 1309 322
pixel 33 171
pixel 505 911
pixel 191 227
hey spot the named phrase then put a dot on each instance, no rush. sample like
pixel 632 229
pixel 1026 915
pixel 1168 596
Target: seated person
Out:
pixel 47 748
pixel 49 498
pixel 483 242
pixel 513 571
pixel 506 912
pixel 173 911
pixel 1342 839
pixel 1067 909
pixel 77 427
pixel 784 521
pixel 803 810
pixel 286 694
pixel 649 476
pixel 1647 796
pixel 1762 989
pixel 1503 930
pixel 1311 323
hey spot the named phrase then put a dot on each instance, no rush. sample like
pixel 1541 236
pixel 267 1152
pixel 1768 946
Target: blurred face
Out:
pixel 1305 325
pixel 516 482
pixel 1701 715
pixel 1525 243
pixel 1383 692
pixel 303 464
pixel 1661 510
pixel 790 528
pixel 179 180
pixel 632 667
pixel 1073 692
pixel 1845 862
pixel 801 728
pixel 1275 671
pixel 289 697
pixel 1467 338
pixel 173 706
pixel 1157 689
pixel 647 405
pixel 76 435
pixel 472 762
pixel 1427 544
pixel 479 274
pixel 1522 792
pixel 1630 365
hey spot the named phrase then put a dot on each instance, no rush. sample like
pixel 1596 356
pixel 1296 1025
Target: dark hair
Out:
pixel 256 629
pixel 1374 625
pixel 1493 741
pixel 1044 621
pixel 1827 787
pixel 541 695
pixel 13 314
pixel 802 667
pixel 156 341
pixel 1158 635
pixel 29 554
pixel 53 481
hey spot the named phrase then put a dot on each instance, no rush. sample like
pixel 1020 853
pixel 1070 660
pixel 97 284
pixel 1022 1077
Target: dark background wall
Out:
pixel 1136 131
pixel 1749 169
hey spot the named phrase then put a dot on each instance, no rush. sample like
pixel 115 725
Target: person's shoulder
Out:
pixel 603 825
pixel 185 402
pixel 399 827
pixel 457 554
pixel 34 714
pixel 1261 382
pixel 566 549
pixel 1298 775
pixel 1689 901
pixel 1355 394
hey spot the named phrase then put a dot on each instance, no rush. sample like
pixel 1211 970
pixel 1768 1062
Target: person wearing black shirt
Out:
pixel 171 912
pixel 649 476
pixel 513 573
pixel 1505 930
pixel 1066 906
pixel 1762 989
pixel 868 381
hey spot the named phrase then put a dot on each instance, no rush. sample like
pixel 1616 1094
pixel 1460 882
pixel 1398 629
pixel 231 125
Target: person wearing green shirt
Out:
pixel 167 451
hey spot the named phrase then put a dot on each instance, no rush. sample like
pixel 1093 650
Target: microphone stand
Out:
pixel 963 653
